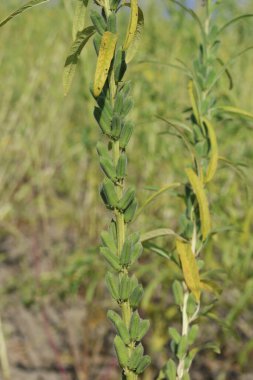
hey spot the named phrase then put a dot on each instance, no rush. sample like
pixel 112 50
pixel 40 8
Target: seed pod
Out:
pixel 120 65
pixel 143 329
pixel 121 166
pixel 98 21
pixel 136 296
pixel 112 260
pixel 136 357
pixel 126 134
pixel 125 91
pixel 134 237
pixel 102 150
pixel 108 240
pixel 144 363
pixel 127 199
pixel 134 326
pixel 112 23
pixel 125 288
pixel 108 194
pixel 125 256
pixel 119 325
pixel 103 121
pixel 130 212
pixel 108 168
pixel 116 127
pixel 119 103
pixel 136 253
pixel 97 42
pixel 121 351
pixel 128 105
pixel 113 229
pixel 112 283
pixel 114 4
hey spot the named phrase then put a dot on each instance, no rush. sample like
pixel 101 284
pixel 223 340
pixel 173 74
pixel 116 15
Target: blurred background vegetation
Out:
pixel 51 275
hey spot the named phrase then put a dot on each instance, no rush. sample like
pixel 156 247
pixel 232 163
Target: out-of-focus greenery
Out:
pixel 50 212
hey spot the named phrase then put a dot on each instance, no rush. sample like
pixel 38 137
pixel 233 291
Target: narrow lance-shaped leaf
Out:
pixel 194 103
pixel 134 45
pixel 20 10
pixel 74 53
pixel 190 268
pixel 79 17
pixel 236 111
pixel 214 156
pixel 132 26
pixel 105 57
pixel 199 191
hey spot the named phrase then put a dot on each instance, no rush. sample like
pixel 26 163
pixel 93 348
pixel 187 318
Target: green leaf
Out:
pixel 214 155
pixel 157 233
pixel 74 53
pixel 79 17
pixel 20 10
pixel 155 195
pixel 236 111
pixel 234 20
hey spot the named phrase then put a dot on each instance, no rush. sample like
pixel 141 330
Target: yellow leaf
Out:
pixel 134 45
pixel 190 268
pixel 199 191
pixel 210 286
pixel 132 26
pixel 214 157
pixel 105 57
pixel 194 103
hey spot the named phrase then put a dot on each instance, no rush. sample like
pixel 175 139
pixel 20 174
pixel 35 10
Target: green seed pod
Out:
pixel 112 260
pixel 113 229
pixel 120 65
pixel 98 21
pixel 125 91
pixel 121 166
pixel 127 199
pixel 114 4
pixel 136 357
pixel 112 283
pixel 112 23
pixel 97 42
pixel 128 105
pixel 125 288
pixel 136 296
pixel 119 104
pixel 119 325
pixel 103 121
pixel 134 326
pixel 134 237
pixel 116 127
pixel 126 133
pixel 125 256
pixel 102 150
pixel 171 370
pixel 121 351
pixel 136 253
pixel 108 168
pixel 130 212
pixel 143 329
pixel 178 293
pixel 108 240
pixel 144 363
pixel 108 194
pixel 182 347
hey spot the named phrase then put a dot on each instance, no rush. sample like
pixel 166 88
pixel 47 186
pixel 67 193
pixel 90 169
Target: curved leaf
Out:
pixel 214 157
pixel 157 233
pixel 236 111
pixel 105 57
pixel 20 10
pixel 189 267
pixel 79 17
pixel 155 195
pixel 199 191
pixel 134 45
pixel 133 24
pixel 74 53
pixel 234 20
